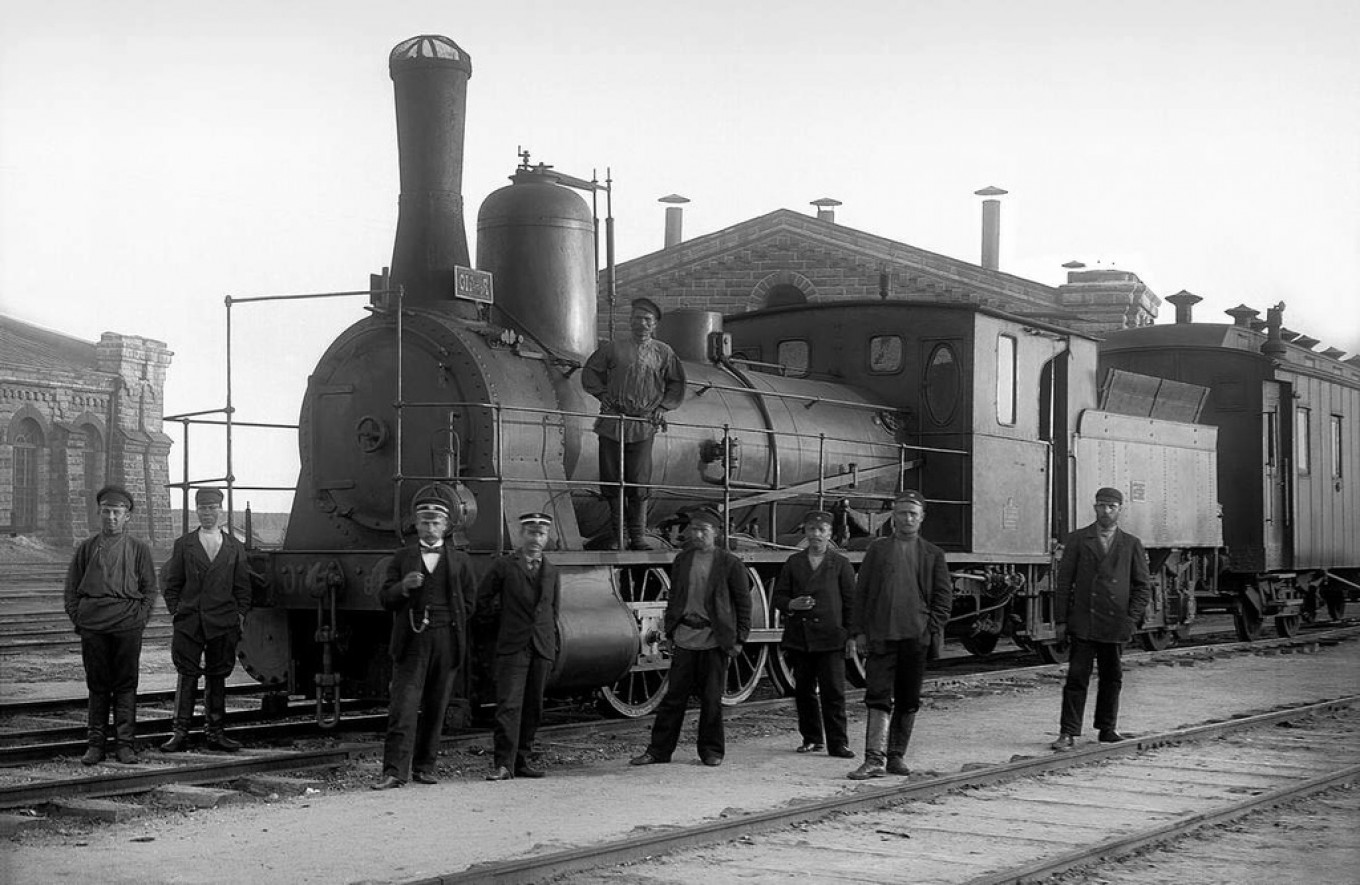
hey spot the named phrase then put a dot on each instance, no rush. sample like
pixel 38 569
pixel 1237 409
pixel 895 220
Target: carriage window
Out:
pixel 942 383
pixel 793 356
pixel 1302 442
pixel 885 354
pixel 1005 379
pixel 1271 436
pixel 1337 448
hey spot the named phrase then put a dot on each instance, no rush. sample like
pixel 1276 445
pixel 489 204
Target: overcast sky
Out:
pixel 158 156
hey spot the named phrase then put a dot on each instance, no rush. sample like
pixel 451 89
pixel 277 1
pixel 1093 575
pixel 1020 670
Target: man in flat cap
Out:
pixel 637 380
pixel 520 597
pixel 1100 593
pixel 206 583
pixel 110 594
pixel 902 601
pixel 431 592
pixel 814 592
pixel 707 620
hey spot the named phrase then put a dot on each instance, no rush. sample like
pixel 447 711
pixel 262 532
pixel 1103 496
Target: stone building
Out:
pixel 75 415
pixel 787 257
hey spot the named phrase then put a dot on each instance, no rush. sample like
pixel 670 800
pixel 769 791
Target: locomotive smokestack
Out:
pixel 991 227
pixel 1274 344
pixel 674 218
pixel 826 209
pixel 1185 304
pixel 429 77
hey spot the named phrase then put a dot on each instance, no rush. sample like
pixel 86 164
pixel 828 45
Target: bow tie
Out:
pixel 438 548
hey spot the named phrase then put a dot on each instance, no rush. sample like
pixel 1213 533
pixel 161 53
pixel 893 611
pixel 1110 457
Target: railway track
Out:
pixel 1016 822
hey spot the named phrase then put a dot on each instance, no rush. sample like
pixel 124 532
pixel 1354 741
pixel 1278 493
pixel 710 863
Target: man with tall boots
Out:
pixel 1100 593
pixel 109 596
pixel 430 590
pixel 637 380
pixel 902 600
pixel 206 583
pixel 521 595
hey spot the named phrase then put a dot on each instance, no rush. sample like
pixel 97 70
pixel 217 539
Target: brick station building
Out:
pixel 788 257
pixel 75 415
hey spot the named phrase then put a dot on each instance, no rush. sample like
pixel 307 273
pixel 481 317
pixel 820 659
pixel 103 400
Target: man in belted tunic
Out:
pixel 430 589
pixel 814 592
pixel 206 583
pixel 109 596
pixel 902 600
pixel 522 592
pixel 1100 593
pixel 639 378
pixel 707 620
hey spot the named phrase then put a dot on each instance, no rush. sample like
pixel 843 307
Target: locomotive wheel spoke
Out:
pixel 743 671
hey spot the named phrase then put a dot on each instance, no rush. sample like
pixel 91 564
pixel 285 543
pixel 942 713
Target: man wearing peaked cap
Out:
pixel 1100 595
pixel 109 596
pixel 637 380
pixel 430 589
pixel 206 582
pixel 520 597
pixel 814 591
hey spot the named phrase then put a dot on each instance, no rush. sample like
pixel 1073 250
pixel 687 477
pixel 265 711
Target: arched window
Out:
pixel 785 294
pixel 94 472
pixel 28 442
pixel 942 383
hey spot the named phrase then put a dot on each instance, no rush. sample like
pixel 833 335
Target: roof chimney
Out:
pixel 1185 303
pixel 991 226
pixel 826 209
pixel 674 218
pixel 1242 315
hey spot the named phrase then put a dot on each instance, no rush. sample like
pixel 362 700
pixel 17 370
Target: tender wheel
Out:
pixel 639 692
pixel 1287 625
pixel 1247 620
pixel 1054 652
pixel 980 644
pixel 743 671
pixel 1157 640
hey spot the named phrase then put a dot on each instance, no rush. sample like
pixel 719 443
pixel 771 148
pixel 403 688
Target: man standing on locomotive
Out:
pixel 902 600
pixel 1100 593
pixel 207 591
pixel 638 378
pixel 707 619
pixel 814 591
pixel 430 589
pixel 522 592
pixel 109 596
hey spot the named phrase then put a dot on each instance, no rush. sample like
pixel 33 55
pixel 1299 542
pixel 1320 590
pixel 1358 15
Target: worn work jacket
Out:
pixel 457 592
pixel 878 582
pixel 526 605
pixel 206 595
pixel 729 598
pixel 634 380
pixel 1101 595
pixel 832 588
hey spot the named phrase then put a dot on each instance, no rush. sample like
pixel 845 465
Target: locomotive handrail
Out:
pixel 702 387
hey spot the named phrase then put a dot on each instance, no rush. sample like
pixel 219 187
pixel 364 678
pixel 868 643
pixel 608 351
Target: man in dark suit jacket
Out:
pixel 1100 594
pixel 707 620
pixel 430 590
pixel 902 601
pixel 814 591
pixel 522 591
pixel 207 590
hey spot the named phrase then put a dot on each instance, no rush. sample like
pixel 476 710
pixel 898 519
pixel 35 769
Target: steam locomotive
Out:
pixel 470 378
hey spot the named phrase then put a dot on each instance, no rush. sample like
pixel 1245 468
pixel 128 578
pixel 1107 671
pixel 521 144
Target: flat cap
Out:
pixel 208 496
pixel 818 517
pixel 112 495
pixel 1109 494
pixel 648 305
pixel 706 516
pixel 528 519
pixel 910 496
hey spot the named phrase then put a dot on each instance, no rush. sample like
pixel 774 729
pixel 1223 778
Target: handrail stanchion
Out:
pixel 622 498
pixel 499 472
pixel 727 486
pixel 821 470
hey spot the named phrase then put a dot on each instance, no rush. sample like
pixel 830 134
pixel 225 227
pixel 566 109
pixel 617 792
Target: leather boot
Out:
pixel 215 712
pixel 637 524
pixel 875 747
pixel 185 690
pixel 98 728
pixel 125 725
pixel 899 736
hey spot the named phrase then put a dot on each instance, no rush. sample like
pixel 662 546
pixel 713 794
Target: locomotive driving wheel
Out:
pixel 645 591
pixel 743 671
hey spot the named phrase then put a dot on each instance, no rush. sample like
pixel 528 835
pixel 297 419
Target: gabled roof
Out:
pixel 931 267
pixel 29 346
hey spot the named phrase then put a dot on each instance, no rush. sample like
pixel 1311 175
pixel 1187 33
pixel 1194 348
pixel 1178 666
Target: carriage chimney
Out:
pixel 674 219
pixel 991 226
pixel 1185 304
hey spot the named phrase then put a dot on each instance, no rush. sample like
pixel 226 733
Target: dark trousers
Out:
pixel 521 677
pixel 814 673
pixel 637 468
pixel 111 664
pixel 1083 654
pixel 422 679
pixel 893 677
pixel 195 656
pixel 692 672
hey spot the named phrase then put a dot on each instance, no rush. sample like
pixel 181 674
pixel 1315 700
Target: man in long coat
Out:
pixel 206 583
pixel 902 600
pixel 430 590
pixel 1100 593
pixel 521 592
pixel 814 591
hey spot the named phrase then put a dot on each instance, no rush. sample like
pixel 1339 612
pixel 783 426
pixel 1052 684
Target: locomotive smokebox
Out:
pixel 429 77
pixel 537 240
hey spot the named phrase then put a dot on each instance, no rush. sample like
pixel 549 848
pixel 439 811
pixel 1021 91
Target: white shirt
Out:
pixel 211 541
